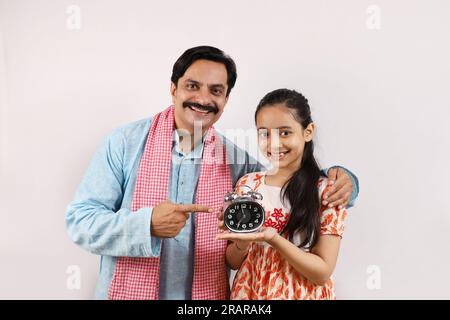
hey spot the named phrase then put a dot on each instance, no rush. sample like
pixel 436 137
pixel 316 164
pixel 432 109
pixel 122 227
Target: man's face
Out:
pixel 200 95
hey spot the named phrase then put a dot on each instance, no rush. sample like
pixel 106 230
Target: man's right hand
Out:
pixel 169 218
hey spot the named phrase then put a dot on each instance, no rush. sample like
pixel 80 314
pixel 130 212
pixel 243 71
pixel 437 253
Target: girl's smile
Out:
pixel 277 155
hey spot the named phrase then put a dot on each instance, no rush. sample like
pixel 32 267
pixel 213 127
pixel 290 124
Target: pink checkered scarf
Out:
pixel 138 278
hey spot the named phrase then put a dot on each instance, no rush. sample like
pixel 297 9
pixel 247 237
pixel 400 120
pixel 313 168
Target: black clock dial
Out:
pixel 245 216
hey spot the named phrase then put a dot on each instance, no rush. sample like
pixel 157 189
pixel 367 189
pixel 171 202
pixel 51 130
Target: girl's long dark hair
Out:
pixel 301 190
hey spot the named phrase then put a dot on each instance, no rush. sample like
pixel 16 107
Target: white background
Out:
pixel 380 98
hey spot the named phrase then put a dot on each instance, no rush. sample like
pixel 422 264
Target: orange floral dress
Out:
pixel 265 274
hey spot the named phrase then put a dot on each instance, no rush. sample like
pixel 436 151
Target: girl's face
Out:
pixel 281 137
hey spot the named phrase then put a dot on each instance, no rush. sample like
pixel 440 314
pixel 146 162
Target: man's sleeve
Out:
pixel 94 219
pixel 355 184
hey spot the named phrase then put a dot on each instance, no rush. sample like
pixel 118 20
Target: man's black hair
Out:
pixel 204 53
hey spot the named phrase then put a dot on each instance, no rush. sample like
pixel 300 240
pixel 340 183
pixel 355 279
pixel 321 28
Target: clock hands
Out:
pixel 242 218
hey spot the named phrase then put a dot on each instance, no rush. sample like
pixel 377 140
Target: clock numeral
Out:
pixel 231 223
pixel 256 221
pixel 250 225
pixel 255 210
pixel 232 211
pixel 258 215
pixel 244 226
pixel 230 216
pixel 244 206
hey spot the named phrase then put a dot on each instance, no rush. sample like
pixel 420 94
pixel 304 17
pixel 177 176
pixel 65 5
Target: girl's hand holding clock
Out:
pixel 243 240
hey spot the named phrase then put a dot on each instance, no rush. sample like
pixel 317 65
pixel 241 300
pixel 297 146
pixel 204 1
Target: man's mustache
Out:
pixel 213 109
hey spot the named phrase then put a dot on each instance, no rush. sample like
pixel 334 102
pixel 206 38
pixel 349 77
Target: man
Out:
pixel 135 204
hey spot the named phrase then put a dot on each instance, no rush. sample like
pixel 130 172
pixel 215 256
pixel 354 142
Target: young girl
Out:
pixel 294 254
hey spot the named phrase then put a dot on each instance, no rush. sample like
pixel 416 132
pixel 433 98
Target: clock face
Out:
pixel 245 216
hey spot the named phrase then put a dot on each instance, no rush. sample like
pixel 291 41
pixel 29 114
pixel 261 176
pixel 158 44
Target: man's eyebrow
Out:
pixel 193 81
pixel 219 85
pixel 215 85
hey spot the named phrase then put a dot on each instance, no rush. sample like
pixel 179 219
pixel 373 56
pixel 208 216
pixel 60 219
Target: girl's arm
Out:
pixel 318 265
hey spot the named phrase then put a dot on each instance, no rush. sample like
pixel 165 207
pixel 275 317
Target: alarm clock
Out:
pixel 242 212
